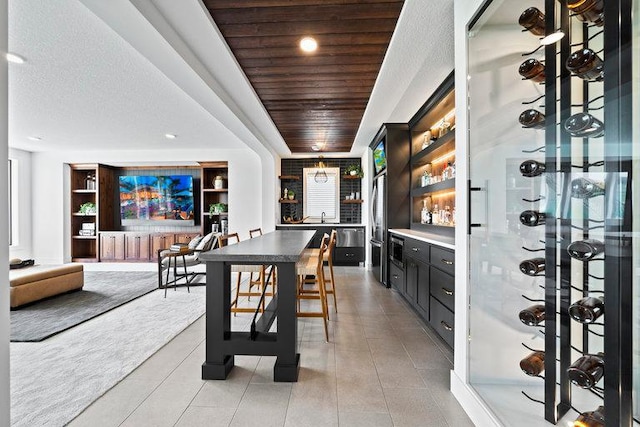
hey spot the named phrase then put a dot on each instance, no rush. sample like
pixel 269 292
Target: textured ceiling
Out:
pixel 317 99
pixel 120 74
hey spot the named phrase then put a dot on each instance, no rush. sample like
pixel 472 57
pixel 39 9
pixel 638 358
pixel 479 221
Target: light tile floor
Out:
pixel 382 367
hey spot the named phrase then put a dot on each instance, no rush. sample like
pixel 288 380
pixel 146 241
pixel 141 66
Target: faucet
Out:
pixel 322 217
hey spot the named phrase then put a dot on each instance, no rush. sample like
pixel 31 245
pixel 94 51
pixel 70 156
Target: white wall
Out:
pixel 21 215
pixel 248 204
pixel 4 235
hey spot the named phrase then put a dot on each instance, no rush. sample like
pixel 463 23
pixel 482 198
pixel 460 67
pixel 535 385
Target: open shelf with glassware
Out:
pixel 214 196
pixel 432 162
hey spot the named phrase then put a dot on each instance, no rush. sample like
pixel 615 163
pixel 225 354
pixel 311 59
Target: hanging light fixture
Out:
pixel 321 176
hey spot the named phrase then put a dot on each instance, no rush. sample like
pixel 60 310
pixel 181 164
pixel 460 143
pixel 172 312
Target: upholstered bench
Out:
pixel 42 281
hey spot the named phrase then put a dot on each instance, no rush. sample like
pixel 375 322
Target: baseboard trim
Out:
pixel 471 403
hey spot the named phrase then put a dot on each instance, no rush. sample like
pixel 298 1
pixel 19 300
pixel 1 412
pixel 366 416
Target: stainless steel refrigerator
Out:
pixel 378 228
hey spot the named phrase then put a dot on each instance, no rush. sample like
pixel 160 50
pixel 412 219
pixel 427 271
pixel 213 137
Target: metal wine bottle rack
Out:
pixel 560 161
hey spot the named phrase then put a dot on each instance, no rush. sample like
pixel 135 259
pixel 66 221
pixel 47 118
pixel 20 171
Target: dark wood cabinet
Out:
pixel 112 246
pixel 136 247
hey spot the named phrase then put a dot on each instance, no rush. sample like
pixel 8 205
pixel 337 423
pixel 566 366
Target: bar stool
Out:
pixel 312 265
pixel 328 258
pixel 225 240
pixel 272 281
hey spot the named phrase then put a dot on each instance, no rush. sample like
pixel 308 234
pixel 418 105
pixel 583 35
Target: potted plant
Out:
pixel 354 170
pixel 216 208
pixel 88 208
pixel 291 194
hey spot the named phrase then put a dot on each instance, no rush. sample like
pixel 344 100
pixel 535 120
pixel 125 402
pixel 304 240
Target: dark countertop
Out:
pixel 277 246
pixel 434 239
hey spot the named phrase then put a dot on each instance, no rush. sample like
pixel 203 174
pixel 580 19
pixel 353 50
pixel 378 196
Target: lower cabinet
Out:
pixel 137 246
pixel 428 284
pixel 111 246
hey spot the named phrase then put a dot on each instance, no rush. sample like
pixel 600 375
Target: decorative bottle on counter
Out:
pixel 425 215
pixel 533 364
pixel 435 215
pixel 532 316
pixel 587 310
pixel 587 370
pixel 591 418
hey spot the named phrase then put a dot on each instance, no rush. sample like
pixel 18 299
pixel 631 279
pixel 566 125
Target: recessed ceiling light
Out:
pixel 315 147
pixel 308 44
pixel 170 136
pixel 34 138
pixel 16 59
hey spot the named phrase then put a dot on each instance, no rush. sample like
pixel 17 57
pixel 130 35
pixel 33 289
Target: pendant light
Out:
pixel 321 176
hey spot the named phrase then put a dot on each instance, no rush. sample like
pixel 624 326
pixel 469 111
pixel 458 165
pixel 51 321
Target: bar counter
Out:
pixel 282 249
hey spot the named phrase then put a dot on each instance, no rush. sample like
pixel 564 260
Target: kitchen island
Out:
pixel 281 249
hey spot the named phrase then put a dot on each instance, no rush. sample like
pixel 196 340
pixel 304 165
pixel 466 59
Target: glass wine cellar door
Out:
pixel 554 162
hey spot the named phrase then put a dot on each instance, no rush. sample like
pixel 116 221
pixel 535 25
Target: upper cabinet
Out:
pixel 433 162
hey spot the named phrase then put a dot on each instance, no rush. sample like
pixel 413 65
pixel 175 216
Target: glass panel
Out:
pixel 636 206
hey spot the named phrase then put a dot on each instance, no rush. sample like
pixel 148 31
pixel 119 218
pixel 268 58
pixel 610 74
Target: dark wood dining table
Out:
pixel 281 249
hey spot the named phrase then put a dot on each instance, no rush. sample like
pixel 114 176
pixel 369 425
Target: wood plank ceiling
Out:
pixel 316 100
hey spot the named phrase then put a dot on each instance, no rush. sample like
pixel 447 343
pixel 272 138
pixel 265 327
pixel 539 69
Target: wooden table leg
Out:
pixel 288 361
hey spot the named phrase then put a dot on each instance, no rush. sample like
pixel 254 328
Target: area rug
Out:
pixel 102 291
pixel 54 380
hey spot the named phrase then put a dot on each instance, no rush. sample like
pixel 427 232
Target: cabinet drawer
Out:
pixel 442 287
pixel 443 259
pixel 396 277
pixel 442 321
pixel 348 255
pixel 417 249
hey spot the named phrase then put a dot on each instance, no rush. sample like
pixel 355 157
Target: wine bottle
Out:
pixel 591 418
pixel 586 64
pixel 532 218
pixel 585 250
pixel 584 125
pixel 532 316
pixel 584 188
pixel 587 370
pixel 533 20
pixel 531 168
pixel 533 70
pixel 587 310
pixel 532 267
pixel 532 119
pixel 533 364
pixel 588 10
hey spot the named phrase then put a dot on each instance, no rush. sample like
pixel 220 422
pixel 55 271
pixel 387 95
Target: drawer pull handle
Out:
pixel 446 261
pixel 446 326
pixel 415 249
pixel 447 291
pixel 395 276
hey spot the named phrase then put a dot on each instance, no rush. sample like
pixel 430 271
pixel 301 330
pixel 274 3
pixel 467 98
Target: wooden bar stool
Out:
pixel 312 265
pixel 225 240
pixel 328 258
pixel 258 232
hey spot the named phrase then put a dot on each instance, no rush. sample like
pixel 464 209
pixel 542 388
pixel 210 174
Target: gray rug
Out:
pixel 102 291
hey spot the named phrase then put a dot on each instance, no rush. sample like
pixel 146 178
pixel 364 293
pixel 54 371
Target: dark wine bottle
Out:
pixel 533 20
pixel 586 64
pixel 532 316
pixel 584 188
pixel 532 218
pixel 587 310
pixel 531 168
pixel 588 10
pixel 533 70
pixel 584 125
pixel 587 370
pixel 591 418
pixel 533 364
pixel 532 267
pixel 532 119
pixel 585 250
